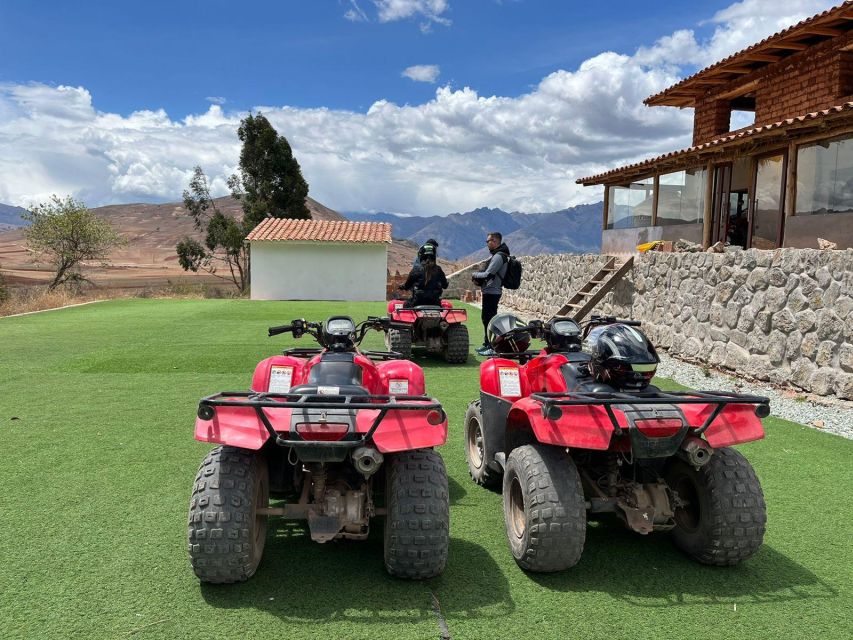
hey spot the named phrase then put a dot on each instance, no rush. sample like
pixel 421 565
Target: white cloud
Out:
pixel 432 10
pixel 457 151
pixel 216 99
pixel 422 73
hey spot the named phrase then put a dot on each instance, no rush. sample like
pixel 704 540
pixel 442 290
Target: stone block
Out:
pixel 822 381
pixel 843 386
pixel 825 353
pixel 775 299
pixel 829 325
pixel 757 279
pixel 736 357
pixel 806 320
pixel 801 372
pixel 845 357
pixel 784 321
pixel 776 344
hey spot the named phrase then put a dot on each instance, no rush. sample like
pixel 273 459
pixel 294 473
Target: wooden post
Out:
pixel 709 203
pixel 606 205
pixel 655 199
pixel 791 181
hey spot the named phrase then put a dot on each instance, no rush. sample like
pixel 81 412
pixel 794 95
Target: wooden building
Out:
pixel 782 181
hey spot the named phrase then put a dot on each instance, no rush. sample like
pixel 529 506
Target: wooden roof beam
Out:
pixel 794 46
pixel 762 57
pixel 824 31
pixel 733 69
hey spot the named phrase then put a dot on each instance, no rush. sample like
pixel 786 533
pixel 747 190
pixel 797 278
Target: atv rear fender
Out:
pixel 400 377
pixel 589 425
pixel 240 425
pixel 581 427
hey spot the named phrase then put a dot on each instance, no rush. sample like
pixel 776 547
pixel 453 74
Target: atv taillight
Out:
pixel 322 431
pixel 660 428
pixel 435 417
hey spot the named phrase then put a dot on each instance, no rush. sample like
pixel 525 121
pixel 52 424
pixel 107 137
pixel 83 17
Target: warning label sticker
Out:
pixel 398 387
pixel 280 379
pixel 510 382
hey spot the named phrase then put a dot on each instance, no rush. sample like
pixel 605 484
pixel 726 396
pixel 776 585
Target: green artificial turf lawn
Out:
pixel 96 418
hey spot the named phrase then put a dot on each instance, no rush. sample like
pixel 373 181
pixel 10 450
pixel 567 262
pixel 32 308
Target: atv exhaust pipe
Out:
pixel 696 451
pixel 367 461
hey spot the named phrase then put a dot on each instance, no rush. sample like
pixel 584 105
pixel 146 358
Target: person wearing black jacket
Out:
pixel 427 281
pixel 491 282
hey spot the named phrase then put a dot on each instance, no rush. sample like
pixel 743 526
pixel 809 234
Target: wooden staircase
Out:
pixel 590 294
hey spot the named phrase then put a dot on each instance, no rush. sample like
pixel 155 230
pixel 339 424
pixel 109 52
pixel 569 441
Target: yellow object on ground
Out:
pixel 646 246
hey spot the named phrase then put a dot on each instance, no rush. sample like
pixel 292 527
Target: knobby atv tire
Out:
pixel 544 508
pixel 724 521
pixel 479 451
pixel 400 340
pixel 457 347
pixel 417 525
pixel 226 536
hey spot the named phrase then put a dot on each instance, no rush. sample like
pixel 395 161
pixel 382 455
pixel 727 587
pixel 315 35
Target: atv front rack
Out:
pixel 552 400
pixel 310 402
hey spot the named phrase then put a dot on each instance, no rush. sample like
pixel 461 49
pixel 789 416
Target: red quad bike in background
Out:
pixel 337 436
pixel 439 328
pixel 577 429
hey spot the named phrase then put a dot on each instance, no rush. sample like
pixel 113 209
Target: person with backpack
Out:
pixel 491 282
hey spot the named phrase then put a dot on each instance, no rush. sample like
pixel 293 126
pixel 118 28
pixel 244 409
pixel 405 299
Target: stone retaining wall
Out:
pixel 785 316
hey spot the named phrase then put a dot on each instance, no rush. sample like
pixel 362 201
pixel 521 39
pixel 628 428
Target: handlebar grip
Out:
pixel 274 331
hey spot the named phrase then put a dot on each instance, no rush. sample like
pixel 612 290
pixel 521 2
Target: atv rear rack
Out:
pixel 720 399
pixel 347 402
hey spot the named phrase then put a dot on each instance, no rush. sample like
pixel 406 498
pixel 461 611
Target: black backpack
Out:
pixel 512 277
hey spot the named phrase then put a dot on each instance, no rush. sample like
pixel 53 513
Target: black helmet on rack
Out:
pixel 507 334
pixel 622 356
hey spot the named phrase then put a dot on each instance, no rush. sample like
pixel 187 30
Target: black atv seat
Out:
pixel 335 370
pixel 428 307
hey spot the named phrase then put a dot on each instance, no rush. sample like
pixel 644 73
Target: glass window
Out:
pixel 682 197
pixel 631 205
pixel 825 177
pixel 767 217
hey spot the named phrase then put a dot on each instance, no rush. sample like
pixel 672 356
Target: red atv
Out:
pixel 336 436
pixel 576 429
pixel 439 328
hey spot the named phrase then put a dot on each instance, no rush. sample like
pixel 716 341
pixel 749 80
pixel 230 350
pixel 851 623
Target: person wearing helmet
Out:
pixel 430 245
pixel 490 280
pixel 622 356
pixel 426 282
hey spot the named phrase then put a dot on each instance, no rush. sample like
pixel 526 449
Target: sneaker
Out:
pixel 486 352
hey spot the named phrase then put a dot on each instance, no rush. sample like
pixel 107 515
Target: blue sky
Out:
pixel 417 106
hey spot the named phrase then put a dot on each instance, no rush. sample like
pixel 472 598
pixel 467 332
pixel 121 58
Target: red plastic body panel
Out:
pixel 410 316
pixel 736 423
pixel 581 427
pixel 543 372
pixel 490 378
pixel 261 378
pixel 400 370
pixel 399 431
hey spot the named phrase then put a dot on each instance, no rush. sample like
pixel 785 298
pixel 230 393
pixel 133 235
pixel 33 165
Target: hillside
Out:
pixel 10 217
pixel 461 236
pixel 152 231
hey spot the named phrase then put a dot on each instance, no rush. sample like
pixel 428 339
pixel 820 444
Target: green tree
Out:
pixel 224 237
pixel 269 184
pixel 65 233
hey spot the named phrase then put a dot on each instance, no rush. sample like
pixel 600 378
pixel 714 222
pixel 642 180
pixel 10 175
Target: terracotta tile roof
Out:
pixel 285 229
pixel 727 140
pixel 823 25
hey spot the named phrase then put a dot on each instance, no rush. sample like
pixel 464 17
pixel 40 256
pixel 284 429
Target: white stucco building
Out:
pixel 319 260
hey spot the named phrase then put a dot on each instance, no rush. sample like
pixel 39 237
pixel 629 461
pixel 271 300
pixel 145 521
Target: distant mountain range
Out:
pixel 461 236
pixel 10 217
